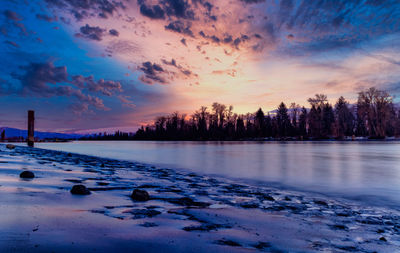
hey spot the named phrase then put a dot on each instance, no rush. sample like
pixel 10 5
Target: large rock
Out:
pixel 26 174
pixel 80 189
pixel 10 146
pixel 140 195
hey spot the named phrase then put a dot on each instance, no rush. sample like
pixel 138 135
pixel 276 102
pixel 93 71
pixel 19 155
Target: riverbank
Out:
pixel 187 212
pixel 270 139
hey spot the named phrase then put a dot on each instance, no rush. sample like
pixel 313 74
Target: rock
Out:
pixel 148 224
pixel 383 239
pixel 276 208
pixel 269 198
pixel 380 231
pixel 102 183
pixel 263 196
pixel 140 195
pixel 339 227
pixel 143 213
pixel 186 201
pixel 80 189
pixel 249 205
pixel 76 181
pixel 344 214
pixel 10 146
pixel 26 174
pixel 320 202
pixel 262 245
pixel 228 242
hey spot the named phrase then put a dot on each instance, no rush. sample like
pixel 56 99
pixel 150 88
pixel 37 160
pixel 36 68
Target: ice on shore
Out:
pixel 186 212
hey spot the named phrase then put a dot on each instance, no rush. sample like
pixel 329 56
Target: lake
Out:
pixel 364 171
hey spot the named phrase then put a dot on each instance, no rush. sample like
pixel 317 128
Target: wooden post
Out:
pixel 31 128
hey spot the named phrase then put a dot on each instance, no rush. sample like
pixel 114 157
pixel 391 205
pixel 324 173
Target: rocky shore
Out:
pixel 78 203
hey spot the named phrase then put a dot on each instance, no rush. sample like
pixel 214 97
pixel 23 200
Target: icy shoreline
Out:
pixel 221 216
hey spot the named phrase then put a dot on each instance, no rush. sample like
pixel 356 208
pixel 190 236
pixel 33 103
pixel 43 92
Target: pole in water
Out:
pixel 31 128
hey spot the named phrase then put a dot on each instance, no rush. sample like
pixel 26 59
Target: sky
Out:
pixel 102 65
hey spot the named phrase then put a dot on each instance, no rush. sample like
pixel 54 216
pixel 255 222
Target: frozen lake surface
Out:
pixel 365 171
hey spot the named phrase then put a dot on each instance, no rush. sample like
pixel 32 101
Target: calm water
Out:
pixel 368 171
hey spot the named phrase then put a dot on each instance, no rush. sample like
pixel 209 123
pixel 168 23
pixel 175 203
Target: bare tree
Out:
pixel 375 105
pixel 319 101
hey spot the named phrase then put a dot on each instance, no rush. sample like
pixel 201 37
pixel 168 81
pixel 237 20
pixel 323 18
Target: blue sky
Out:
pixel 96 65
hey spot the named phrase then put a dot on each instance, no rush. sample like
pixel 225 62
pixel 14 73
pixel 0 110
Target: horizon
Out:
pixel 91 67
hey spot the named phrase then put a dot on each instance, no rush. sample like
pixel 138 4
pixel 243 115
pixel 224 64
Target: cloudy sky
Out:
pixel 90 65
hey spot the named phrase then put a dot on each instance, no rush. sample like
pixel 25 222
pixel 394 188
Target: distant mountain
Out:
pixel 14 132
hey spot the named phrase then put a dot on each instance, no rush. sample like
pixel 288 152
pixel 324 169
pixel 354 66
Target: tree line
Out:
pixel 374 116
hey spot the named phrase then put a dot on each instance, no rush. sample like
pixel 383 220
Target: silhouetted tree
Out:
pixel 268 126
pixel 283 120
pixel 240 128
pixel 374 106
pixel 302 129
pixel 344 118
pixel 392 121
pixel 295 108
pixel 375 115
pixel 314 122
pixel 397 127
pixel 328 119
pixel 259 123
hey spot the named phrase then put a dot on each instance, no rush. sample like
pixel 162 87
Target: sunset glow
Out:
pixel 105 65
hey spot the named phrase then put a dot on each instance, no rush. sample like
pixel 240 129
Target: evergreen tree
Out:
pixel 328 119
pixel 344 119
pixel 283 120
pixel 314 122
pixel 375 116
pixel 259 123
pixel 240 128
pixel 268 126
pixel 302 128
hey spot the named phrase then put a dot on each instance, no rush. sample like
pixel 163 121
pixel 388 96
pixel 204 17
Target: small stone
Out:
pixel 102 183
pixel 80 189
pixel 148 224
pixel 10 146
pixel 339 226
pixel 269 198
pixel 186 201
pixel 383 239
pixel 228 242
pixel 262 245
pixel 140 195
pixel 143 213
pixel 320 202
pixel 26 174
pixel 249 205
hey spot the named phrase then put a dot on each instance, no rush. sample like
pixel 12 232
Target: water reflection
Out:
pixel 352 168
